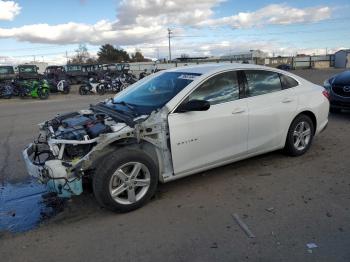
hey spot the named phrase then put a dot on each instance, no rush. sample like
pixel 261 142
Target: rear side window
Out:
pixel 218 89
pixel 288 82
pixel 262 82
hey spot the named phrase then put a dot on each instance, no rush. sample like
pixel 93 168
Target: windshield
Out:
pixel 156 92
pixel 4 70
pixel 73 68
pixel 27 69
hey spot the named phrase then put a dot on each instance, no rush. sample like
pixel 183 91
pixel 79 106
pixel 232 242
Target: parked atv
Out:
pixel 57 79
pixel 6 90
pixel 75 74
pixel 32 88
pixel 7 73
pixel 92 86
pixel 28 72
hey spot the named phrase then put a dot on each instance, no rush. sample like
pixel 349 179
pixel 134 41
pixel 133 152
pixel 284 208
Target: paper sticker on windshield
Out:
pixel 187 76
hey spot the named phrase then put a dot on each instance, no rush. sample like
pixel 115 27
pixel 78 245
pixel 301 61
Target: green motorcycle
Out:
pixel 33 88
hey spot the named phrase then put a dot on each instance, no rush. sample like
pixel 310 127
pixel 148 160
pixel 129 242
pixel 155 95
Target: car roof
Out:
pixel 206 68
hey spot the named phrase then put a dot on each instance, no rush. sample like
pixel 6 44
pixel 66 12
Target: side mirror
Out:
pixel 193 105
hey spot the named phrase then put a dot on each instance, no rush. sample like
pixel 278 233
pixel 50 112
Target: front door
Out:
pixel 200 139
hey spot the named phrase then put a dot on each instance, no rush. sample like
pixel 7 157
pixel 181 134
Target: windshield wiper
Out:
pixel 123 103
pixel 117 115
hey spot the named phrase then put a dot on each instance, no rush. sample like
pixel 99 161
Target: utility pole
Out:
pixel 169 36
pixel 66 57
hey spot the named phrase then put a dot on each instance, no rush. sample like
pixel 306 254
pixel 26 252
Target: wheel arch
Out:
pixel 303 112
pixel 145 146
pixel 309 114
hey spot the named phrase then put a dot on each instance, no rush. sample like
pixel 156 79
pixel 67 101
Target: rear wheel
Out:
pixel 300 136
pixel 125 180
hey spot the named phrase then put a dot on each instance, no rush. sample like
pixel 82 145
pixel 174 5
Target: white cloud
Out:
pixel 165 12
pixel 8 10
pixel 143 23
pixel 274 14
pixel 71 33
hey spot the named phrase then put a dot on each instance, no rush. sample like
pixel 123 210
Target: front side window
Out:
pixel 262 82
pixel 218 89
pixel 288 82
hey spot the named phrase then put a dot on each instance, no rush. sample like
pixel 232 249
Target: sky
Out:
pixel 52 30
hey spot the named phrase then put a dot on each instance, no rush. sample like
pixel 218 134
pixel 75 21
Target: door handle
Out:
pixel 287 100
pixel 238 111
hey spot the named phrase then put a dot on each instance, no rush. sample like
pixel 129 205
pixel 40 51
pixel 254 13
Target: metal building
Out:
pixel 342 59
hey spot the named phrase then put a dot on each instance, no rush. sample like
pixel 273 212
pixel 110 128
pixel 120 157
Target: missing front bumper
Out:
pixel 53 173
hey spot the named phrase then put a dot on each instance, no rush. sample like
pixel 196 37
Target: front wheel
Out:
pixel 300 135
pixel 83 90
pixel 43 93
pixel 125 180
pixel 100 89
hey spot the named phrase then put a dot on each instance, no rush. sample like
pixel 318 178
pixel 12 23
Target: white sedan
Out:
pixel 173 124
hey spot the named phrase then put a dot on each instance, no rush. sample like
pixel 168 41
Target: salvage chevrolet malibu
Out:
pixel 173 124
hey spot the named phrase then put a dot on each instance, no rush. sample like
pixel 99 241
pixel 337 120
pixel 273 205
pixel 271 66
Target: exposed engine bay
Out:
pixel 69 145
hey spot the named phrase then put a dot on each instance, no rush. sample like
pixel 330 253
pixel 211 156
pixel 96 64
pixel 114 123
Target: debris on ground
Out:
pixel 243 226
pixel 311 246
pixel 270 209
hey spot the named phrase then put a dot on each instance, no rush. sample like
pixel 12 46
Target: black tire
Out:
pixel 100 89
pixel 103 175
pixel 289 147
pixel 82 90
pixel 334 110
pixel 43 93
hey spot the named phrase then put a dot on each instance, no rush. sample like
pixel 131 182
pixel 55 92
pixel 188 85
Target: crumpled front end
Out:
pixel 56 158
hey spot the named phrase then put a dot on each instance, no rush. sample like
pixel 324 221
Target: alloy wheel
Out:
pixel 129 183
pixel 301 135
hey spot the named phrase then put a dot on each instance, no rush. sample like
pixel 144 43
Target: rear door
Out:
pixel 204 138
pixel 271 108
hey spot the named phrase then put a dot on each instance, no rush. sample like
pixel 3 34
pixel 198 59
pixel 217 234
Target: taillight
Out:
pixel 326 94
